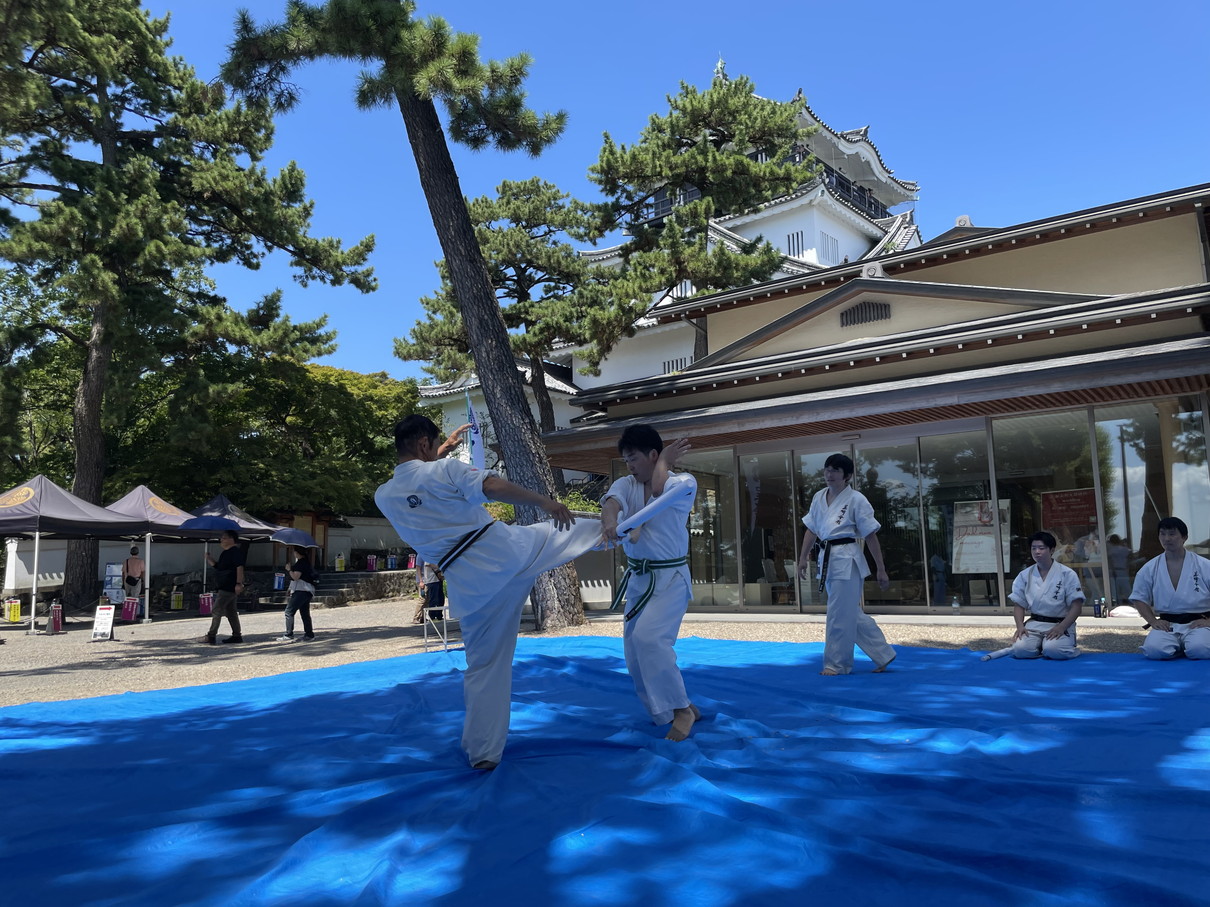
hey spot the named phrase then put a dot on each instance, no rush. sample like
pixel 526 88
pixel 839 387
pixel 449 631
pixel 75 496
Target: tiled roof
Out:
pixel 470 381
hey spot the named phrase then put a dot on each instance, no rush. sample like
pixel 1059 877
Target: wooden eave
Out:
pixel 845 362
pixel 1156 370
pixel 1079 223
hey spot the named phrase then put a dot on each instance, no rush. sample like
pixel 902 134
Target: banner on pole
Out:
pixel 476 438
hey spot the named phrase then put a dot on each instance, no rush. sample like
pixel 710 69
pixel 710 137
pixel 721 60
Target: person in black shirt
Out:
pixel 229 583
pixel 302 587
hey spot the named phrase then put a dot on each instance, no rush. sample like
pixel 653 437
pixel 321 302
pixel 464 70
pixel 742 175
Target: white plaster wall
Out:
pixel 1142 255
pixel 641 356
pixel 164 557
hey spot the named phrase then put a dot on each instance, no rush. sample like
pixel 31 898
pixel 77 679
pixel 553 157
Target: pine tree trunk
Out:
pixel 556 604
pixel 80 570
pixel 546 410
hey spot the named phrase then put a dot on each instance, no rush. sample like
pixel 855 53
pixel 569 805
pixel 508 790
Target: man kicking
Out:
pixel 436 506
pixel 647 511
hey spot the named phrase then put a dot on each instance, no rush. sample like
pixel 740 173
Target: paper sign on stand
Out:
pixel 102 622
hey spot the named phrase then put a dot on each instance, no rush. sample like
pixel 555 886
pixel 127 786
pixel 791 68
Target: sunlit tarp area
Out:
pixel 947 780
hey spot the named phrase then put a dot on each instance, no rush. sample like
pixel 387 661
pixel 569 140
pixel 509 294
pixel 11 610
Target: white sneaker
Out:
pixel 284 639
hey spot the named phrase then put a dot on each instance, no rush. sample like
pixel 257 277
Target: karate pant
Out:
pixel 1034 643
pixel 1162 644
pixel 648 639
pixel 848 625
pixel 487 589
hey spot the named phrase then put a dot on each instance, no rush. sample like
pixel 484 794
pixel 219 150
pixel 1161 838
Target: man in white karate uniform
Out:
pixel 436 506
pixel 1172 592
pixel 839 518
pixel 647 511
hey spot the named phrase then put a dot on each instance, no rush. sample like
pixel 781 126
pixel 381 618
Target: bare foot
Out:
pixel 828 672
pixel 883 667
pixel 682 722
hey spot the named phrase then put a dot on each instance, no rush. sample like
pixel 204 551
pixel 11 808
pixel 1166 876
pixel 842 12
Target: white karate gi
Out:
pixel 432 506
pixel 648 638
pixel 849 516
pixel 1050 597
pixel 1153 586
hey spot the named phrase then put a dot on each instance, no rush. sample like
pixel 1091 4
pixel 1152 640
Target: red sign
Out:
pixel 1077 507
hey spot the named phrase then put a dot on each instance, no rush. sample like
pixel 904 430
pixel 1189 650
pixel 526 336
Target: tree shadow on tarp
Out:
pixel 947 778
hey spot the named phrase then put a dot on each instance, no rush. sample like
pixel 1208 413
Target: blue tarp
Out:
pixel 947 780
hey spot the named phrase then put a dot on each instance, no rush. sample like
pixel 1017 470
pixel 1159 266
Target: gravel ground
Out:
pixel 165 653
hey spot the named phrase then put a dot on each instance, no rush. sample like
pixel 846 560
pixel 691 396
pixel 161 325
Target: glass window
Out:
pixel 1152 457
pixel 955 485
pixel 713 547
pixel 767 534
pixel 1044 472
pixel 810 481
pixel 889 479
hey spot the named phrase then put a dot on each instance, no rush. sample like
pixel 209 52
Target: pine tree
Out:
pixel 416 65
pixel 122 177
pixel 725 150
pixel 544 286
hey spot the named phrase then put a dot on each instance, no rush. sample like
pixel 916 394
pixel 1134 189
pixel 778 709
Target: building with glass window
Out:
pixel 989 383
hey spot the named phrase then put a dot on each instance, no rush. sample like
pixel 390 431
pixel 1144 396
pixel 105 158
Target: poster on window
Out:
pixel 1071 516
pixel 975 536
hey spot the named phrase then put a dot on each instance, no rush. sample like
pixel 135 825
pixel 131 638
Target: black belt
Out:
pixel 1043 617
pixel 825 548
pixel 461 546
pixel 1184 618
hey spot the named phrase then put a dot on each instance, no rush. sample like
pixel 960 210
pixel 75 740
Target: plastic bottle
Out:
pixel 1098 607
pixel 956 606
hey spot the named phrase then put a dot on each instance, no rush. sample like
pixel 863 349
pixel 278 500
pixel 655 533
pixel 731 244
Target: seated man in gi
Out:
pixel 1051 593
pixel 1172 592
pixel 653 505
pixel 436 506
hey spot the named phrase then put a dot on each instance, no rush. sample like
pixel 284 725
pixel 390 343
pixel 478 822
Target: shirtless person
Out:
pixel 647 512
pixel 1172 592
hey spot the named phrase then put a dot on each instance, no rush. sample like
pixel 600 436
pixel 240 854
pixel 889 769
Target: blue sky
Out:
pixel 1007 112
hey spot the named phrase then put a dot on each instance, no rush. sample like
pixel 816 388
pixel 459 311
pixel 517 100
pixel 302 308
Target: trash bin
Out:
pixel 12 610
pixel 205 603
pixel 371 562
pixel 392 562
pixel 279 582
pixel 54 623
pixel 340 563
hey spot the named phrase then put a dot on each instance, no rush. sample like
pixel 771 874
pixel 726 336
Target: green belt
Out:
pixel 641 567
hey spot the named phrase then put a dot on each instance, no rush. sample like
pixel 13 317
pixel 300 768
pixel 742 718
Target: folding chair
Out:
pixel 442 627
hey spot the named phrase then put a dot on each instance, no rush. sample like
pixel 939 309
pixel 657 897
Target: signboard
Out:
pixel 1073 509
pixel 975 536
pixel 102 622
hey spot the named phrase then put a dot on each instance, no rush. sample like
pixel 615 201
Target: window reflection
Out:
pixel 767 534
pixel 1152 457
pixel 955 489
pixel 888 477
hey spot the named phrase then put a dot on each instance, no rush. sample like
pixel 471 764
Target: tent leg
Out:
pixel 147 579
pixel 33 595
